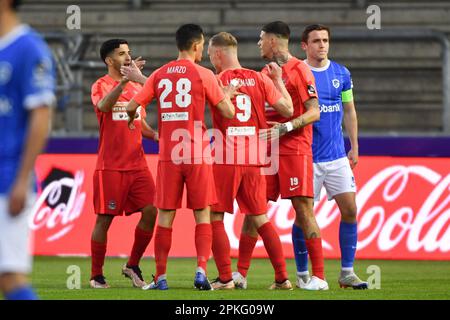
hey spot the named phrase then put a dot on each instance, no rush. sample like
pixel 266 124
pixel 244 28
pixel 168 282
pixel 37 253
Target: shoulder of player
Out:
pixel 32 42
pixel 339 67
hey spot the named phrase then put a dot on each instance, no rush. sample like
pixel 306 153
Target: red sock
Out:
pixel 273 247
pixel 98 252
pixel 141 240
pixel 221 250
pixel 246 246
pixel 203 243
pixel 314 247
pixel 163 242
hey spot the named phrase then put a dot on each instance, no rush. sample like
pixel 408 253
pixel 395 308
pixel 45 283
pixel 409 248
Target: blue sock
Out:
pixel 22 293
pixel 348 236
pixel 300 250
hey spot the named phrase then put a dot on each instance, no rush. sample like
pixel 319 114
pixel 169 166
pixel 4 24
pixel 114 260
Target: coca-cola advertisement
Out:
pixel 403 212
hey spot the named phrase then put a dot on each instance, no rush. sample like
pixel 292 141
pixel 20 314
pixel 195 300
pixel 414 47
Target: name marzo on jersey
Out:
pixel 333 108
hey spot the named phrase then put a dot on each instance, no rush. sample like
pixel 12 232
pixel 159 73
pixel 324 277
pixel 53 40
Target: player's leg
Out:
pixel 169 192
pixel 140 198
pixel 221 252
pixel 109 197
pixel 15 258
pixel 249 235
pixel 340 185
pixel 298 238
pixel 201 194
pixel 98 250
pixel 227 179
pixel 274 249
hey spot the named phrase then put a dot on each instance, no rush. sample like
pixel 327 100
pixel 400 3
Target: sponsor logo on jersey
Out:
pixel 333 108
pixel 241 131
pixel 311 89
pixel 174 116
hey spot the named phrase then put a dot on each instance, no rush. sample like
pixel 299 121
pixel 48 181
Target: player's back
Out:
pixel 241 132
pixel 300 84
pixel 328 140
pixel 182 89
pixel 26 82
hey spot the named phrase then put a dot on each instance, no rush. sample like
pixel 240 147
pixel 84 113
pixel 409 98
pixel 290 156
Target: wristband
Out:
pixel 289 126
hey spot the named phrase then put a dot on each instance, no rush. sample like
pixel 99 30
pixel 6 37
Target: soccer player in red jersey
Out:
pixel 294 179
pixel 237 176
pixel 122 180
pixel 182 88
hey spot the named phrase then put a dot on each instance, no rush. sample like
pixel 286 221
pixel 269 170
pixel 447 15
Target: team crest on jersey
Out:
pixel 5 72
pixel 336 83
pixel 112 205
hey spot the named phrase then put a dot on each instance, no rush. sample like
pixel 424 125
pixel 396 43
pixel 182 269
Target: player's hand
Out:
pixel 156 137
pixel 353 157
pixel 231 90
pixel 131 72
pixel 17 198
pixel 139 62
pixel 275 132
pixel 274 70
pixel 131 115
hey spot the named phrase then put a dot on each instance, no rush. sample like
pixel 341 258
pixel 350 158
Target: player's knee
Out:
pixel 349 214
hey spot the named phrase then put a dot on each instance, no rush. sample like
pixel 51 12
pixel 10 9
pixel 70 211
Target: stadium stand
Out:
pixel 397 81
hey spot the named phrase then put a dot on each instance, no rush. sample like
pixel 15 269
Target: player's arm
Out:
pixel 311 115
pixel 148 132
pixel 225 106
pixel 284 105
pixel 142 98
pixel 108 101
pixel 39 127
pixel 351 127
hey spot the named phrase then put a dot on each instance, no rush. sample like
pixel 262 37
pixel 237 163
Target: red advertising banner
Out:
pixel 403 212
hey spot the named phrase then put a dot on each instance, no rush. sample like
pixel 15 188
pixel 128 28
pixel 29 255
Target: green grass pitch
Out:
pixel 403 280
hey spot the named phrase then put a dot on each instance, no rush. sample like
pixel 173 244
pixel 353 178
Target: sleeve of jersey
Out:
pixel 347 89
pixel 38 82
pixel 214 94
pixel 306 84
pixel 272 93
pixel 147 93
pixel 97 92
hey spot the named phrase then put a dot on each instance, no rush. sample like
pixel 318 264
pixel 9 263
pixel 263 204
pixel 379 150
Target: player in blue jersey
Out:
pixel 26 95
pixel 332 166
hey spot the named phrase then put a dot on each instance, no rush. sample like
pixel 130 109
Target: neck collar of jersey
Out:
pixel 13 35
pixel 324 68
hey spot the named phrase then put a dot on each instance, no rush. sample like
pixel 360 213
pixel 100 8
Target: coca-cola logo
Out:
pixel 60 203
pixel 398 206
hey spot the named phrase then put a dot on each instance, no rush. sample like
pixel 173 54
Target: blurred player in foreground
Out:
pixel 27 85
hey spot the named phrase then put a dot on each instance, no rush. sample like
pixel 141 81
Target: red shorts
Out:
pixel 294 178
pixel 243 183
pixel 116 192
pixel 170 180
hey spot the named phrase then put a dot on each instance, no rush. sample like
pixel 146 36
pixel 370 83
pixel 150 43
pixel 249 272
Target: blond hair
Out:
pixel 223 40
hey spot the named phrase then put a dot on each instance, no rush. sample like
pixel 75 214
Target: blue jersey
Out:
pixel 27 81
pixel 328 139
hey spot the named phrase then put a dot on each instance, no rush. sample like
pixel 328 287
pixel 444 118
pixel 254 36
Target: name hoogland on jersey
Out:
pixel 334 86
pixel 26 82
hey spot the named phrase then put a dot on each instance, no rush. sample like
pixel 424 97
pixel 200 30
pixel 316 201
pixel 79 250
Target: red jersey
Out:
pixel 119 147
pixel 300 83
pixel 182 88
pixel 240 134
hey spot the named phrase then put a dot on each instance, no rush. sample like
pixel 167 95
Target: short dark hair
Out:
pixel 109 45
pixel 187 34
pixel 279 28
pixel 313 27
